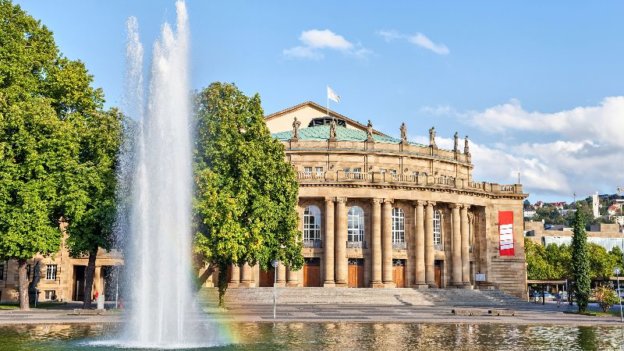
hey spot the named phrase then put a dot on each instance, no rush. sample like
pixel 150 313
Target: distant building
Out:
pixel 595 205
pixel 605 235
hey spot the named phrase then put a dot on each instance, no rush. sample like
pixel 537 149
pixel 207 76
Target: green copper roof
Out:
pixel 342 134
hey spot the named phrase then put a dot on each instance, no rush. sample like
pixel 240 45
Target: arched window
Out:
pixel 311 224
pixel 398 225
pixel 437 228
pixel 355 229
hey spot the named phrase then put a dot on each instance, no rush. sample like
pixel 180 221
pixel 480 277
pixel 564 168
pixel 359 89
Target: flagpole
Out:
pixel 327 94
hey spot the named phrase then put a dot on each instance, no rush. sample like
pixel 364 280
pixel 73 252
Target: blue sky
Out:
pixel 538 86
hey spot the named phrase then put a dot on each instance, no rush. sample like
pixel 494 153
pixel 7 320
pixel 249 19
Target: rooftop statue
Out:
pixel 403 133
pixel 456 145
pixel 432 134
pixel 295 133
pixel 369 131
pixel 332 129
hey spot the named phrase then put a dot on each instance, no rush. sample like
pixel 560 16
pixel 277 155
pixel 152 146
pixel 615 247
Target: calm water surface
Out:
pixel 343 336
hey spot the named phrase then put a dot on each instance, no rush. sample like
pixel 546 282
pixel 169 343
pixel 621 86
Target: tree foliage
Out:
pixel 606 297
pixel 47 113
pixel 580 262
pixel 246 191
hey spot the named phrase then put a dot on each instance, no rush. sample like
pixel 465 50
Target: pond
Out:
pixel 342 336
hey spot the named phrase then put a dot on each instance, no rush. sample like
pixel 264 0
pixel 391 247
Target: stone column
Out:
pixel 386 244
pixel 376 245
pixel 97 280
pixel 293 278
pixel 341 242
pixel 419 235
pixel 456 272
pixel 328 244
pixel 246 276
pixel 429 252
pixel 465 245
pixel 235 278
pixel 281 275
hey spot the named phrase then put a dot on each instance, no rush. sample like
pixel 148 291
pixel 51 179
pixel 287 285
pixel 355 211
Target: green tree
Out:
pixel 606 297
pixel 580 262
pixel 246 191
pixel 601 263
pixel 538 268
pixel 92 229
pixel 46 108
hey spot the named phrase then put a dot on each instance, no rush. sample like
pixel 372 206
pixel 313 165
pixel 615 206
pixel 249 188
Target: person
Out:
pixel 558 298
pixel 95 295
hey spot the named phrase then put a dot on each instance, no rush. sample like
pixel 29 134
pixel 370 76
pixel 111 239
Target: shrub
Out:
pixel 606 297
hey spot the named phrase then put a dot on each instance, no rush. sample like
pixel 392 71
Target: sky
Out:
pixel 538 86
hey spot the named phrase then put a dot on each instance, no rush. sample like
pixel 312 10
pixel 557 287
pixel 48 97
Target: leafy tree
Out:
pixel 601 263
pixel 47 110
pixel 580 262
pixel 246 191
pixel 101 136
pixel 538 267
pixel 618 258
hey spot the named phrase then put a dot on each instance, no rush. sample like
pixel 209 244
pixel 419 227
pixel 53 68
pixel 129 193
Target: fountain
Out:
pixel 162 312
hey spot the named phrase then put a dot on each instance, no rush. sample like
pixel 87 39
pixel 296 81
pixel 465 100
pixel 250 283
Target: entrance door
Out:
pixel 356 273
pixel 79 280
pixel 312 272
pixel 267 278
pixel 438 273
pixel 398 273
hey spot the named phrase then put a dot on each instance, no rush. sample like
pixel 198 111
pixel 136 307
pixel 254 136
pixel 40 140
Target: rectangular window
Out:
pixel 319 171
pixel 50 295
pixel 347 170
pixel 51 272
pixel 393 172
pixel 307 171
pixel 437 228
pixel 357 173
pixel 1 271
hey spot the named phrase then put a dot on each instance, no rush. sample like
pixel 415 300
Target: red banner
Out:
pixel 505 231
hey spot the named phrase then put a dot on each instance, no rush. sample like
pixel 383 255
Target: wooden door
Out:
pixel 438 273
pixel 312 272
pixel 267 278
pixel 356 273
pixel 398 273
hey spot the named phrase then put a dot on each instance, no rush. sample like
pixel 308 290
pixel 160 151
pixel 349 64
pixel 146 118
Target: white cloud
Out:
pixel 603 123
pixel 417 39
pixel 422 41
pixel 315 41
pixel 580 150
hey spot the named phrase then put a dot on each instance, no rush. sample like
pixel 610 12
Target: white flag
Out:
pixel 331 94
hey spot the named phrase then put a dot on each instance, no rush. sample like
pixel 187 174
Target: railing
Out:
pixel 314 244
pixel 410 179
pixel 356 245
pixel 399 245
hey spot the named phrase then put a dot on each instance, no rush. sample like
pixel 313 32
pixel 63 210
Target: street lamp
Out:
pixel 617 274
pixel 274 263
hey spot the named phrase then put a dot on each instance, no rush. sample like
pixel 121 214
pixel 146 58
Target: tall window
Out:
pixel 311 223
pixel 319 171
pixel 398 225
pixel 437 228
pixel 355 229
pixel 51 272
pixel 307 171
pixel 1 271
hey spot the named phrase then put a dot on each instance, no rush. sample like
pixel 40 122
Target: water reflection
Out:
pixel 346 336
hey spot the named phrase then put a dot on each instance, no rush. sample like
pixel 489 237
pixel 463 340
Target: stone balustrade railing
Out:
pixel 419 179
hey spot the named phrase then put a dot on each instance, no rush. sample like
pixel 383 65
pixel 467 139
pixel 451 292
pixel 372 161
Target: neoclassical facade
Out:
pixel 377 211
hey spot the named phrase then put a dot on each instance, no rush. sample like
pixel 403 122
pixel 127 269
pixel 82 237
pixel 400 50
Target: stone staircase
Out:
pixel 363 296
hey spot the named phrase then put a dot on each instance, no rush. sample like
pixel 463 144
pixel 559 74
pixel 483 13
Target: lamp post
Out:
pixel 274 263
pixel 617 274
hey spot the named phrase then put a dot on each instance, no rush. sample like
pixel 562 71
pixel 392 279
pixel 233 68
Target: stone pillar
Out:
pixel 97 280
pixel 456 271
pixel 235 278
pixel 465 245
pixel 386 244
pixel 429 252
pixel 419 235
pixel 341 242
pixel 328 244
pixel 376 245
pixel 292 278
pixel 246 276
pixel 281 275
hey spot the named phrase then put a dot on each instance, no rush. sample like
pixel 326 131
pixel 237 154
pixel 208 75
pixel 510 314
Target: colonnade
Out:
pixel 334 259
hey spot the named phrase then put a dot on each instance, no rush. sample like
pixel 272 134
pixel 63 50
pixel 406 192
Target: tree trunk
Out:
pixel 89 274
pixel 223 283
pixel 22 283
